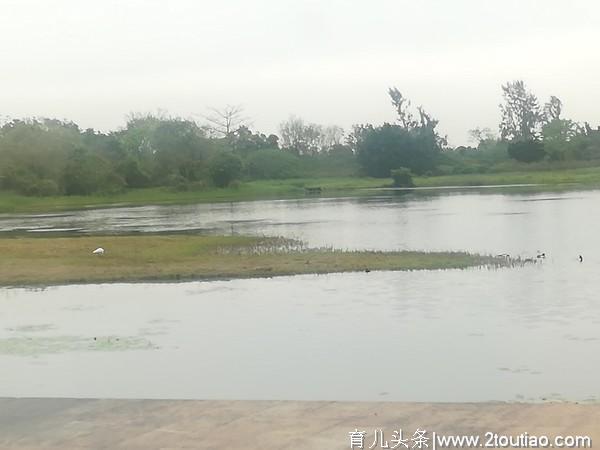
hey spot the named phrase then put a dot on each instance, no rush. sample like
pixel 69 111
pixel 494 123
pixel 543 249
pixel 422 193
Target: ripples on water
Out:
pixel 528 333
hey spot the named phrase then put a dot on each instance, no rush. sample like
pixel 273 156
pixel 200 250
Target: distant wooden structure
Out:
pixel 313 190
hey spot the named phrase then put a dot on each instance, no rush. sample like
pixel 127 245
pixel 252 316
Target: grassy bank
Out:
pixel 254 190
pixel 288 188
pixel 584 176
pixel 41 261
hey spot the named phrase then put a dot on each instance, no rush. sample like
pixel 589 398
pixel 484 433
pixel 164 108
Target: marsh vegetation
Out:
pixel 60 260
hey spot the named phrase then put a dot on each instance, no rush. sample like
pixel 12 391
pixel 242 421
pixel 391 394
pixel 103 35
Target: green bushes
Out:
pixel 41 188
pixel 272 164
pixel 131 171
pixel 527 151
pixel 224 168
pixel 384 148
pixel 402 177
pixel 87 173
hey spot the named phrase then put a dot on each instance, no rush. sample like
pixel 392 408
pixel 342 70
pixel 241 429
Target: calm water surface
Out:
pixel 478 221
pixel 528 333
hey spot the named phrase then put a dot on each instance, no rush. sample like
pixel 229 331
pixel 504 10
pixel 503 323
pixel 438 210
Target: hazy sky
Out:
pixel 329 62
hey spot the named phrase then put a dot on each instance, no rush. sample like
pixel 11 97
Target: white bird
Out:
pixel 98 251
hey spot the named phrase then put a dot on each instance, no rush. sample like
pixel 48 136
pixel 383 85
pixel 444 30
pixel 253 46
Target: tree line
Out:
pixel 52 157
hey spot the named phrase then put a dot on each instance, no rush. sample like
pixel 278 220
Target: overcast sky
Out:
pixel 329 62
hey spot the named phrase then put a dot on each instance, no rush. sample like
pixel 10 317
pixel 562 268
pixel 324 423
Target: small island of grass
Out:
pixel 31 261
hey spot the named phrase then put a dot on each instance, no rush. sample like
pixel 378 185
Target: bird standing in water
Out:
pixel 580 258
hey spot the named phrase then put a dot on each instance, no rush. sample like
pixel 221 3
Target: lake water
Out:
pixel 529 333
pixel 484 221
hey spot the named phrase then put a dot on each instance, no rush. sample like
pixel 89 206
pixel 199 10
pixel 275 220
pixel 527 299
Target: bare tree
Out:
pixel 224 121
pixel 479 135
pixel 402 105
pixel 331 136
pixel 301 137
pixel 425 119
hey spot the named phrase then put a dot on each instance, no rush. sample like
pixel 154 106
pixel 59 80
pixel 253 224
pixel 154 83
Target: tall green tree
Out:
pixel 165 148
pixel 385 148
pixel 34 151
pixel 412 143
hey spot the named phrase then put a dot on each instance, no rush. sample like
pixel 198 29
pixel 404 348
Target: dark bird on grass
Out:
pixel 367 270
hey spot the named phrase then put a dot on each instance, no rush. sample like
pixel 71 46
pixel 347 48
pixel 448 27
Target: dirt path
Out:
pixel 153 424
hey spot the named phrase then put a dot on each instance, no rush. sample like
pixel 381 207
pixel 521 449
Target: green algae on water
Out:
pixel 36 346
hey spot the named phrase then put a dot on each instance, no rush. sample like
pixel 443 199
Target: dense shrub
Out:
pixel 270 164
pixel 43 188
pixel 18 180
pixel 133 174
pixel 87 173
pixel 111 183
pixel 384 148
pixel 527 151
pixel 402 177
pixel 224 168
